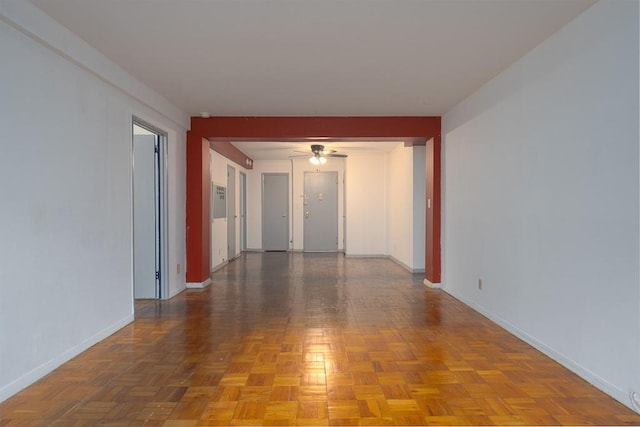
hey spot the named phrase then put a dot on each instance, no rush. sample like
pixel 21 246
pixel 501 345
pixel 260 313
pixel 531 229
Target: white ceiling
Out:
pixel 313 57
pixel 278 150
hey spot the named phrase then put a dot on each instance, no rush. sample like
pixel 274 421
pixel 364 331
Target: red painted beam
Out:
pixel 304 127
pixel 198 198
pixel 229 151
pixel 270 128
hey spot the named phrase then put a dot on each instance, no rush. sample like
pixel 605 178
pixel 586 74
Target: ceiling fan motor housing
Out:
pixel 317 149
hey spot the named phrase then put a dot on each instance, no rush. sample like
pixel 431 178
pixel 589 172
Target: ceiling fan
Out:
pixel 319 154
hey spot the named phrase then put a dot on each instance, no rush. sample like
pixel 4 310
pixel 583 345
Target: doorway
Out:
pixel 243 212
pixel 320 211
pixel 275 208
pixel 149 211
pixel 231 213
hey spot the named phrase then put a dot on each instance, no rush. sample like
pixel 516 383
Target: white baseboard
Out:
pixel 595 380
pixel 366 255
pixel 219 266
pixel 175 292
pixel 405 266
pixel 42 370
pixel 198 285
pixel 431 284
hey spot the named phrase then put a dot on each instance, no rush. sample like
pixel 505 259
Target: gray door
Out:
pixel 145 217
pixel 243 212
pixel 320 211
pixel 231 213
pixel 275 208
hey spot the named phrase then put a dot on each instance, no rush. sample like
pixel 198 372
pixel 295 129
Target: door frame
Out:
pixel 162 209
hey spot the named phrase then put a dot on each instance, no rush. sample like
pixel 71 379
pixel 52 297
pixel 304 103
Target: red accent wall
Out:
pixel 270 128
pixel 198 224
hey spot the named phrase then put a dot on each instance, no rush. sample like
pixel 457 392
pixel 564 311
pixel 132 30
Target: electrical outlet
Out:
pixel 479 284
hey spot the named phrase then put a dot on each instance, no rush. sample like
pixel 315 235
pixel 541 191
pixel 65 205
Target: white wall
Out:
pixel 218 168
pixel 218 172
pixel 65 185
pixel 541 198
pixel 419 206
pixel 366 180
pixel 382 208
pixel 406 193
pixel 400 202
pixel 177 202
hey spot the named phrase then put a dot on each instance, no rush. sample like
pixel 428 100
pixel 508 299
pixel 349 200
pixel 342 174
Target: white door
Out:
pixel 145 217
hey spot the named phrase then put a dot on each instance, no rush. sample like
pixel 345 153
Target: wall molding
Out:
pixel 35 374
pixel 198 285
pixel 405 266
pixel 431 284
pixel 175 292
pixel 592 378
pixel 366 255
pixel 219 266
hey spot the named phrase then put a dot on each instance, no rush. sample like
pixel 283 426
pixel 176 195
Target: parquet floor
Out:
pixel 292 339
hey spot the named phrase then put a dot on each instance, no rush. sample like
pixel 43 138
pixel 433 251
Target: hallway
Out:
pixel 311 339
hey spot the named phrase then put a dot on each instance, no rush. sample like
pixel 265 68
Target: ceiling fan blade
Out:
pixel 327 152
pixel 336 155
pixel 305 152
pixel 300 156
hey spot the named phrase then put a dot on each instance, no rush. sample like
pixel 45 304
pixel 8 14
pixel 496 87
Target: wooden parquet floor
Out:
pixel 315 339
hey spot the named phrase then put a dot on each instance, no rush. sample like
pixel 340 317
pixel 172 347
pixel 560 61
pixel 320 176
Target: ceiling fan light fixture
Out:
pixel 317 160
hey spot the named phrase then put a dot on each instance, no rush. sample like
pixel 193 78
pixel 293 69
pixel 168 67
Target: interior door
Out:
pixel 231 212
pixel 320 211
pixel 145 217
pixel 243 212
pixel 275 208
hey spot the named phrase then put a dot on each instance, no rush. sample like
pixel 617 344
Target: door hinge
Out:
pixel 156 149
pixel 157 275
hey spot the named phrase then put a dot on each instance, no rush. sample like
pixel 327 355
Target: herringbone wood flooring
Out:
pixel 282 339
